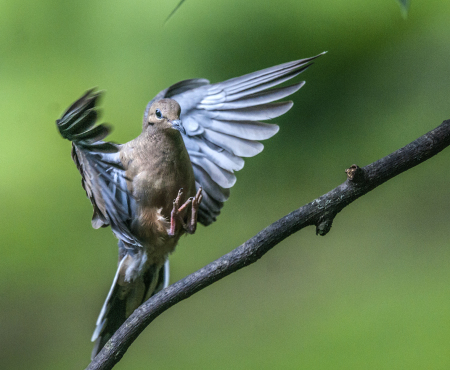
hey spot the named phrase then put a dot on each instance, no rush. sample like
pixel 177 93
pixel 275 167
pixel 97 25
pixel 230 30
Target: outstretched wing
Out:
pixel 222 123
pixel 102 173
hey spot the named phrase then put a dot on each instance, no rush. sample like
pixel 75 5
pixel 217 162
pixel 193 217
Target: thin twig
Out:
pixel 319 212
pixel 173 11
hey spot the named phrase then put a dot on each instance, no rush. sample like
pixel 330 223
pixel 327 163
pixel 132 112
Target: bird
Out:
pixel 176 173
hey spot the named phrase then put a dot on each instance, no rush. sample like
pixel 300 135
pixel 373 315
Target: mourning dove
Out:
pixel 153 189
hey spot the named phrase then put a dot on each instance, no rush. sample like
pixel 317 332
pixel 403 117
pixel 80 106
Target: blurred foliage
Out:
pixel 372 294
pixel 404 7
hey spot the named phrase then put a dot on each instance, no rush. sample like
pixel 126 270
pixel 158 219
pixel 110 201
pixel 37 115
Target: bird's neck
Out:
pixel 166 143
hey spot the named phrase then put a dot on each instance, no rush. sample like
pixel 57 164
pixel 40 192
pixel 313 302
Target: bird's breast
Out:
pixel 162 174
pixel 158 168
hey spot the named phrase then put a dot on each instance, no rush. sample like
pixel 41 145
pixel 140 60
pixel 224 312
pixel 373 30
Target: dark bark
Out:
pixel 319 212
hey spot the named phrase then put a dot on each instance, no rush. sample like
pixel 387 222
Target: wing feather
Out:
pixel 102 173
pixel 222 123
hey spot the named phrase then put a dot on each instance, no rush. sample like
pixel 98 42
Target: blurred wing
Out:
pixel 222 123
pixel 102 173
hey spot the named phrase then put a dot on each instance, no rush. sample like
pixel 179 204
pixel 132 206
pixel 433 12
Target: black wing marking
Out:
pixel 102 173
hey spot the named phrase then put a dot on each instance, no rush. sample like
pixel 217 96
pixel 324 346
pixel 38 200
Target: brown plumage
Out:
pixel 158 164
pixel 160 190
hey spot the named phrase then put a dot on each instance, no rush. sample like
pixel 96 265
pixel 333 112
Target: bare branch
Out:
pixel 319 212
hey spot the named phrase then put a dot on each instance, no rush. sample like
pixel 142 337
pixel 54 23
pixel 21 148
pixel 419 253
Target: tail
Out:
pixel 124 297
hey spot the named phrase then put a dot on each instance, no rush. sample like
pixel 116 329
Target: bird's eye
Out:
pixel 158 114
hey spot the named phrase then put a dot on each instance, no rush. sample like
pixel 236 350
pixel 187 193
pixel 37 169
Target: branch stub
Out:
pixel 355 174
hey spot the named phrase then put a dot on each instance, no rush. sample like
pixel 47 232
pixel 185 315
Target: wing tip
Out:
pixel 276 128
pixel 289 104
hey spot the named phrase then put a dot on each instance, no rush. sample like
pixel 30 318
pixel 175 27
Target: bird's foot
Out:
pixel 192 224
pixel 175 216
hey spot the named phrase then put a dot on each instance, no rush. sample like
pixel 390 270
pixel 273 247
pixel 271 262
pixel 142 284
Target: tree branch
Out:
pixel 319 212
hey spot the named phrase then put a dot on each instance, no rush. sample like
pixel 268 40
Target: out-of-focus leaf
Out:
pixel 404 7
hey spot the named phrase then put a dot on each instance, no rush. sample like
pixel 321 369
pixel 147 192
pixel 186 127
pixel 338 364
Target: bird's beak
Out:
pixel 178 125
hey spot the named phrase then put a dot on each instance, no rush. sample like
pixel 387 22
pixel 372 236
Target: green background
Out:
pixel 373 294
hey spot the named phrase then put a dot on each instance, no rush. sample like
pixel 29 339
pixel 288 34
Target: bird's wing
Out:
pixel 222 123
pixel 102 173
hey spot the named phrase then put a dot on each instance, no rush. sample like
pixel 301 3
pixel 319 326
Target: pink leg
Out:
pixel 191 225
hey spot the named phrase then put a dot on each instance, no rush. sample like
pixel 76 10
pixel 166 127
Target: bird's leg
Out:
pixel 192 223
pixel 175 214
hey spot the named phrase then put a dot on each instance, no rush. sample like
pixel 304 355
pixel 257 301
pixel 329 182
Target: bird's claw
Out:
pixel 191 225
pixel 195 203
pixel 197 200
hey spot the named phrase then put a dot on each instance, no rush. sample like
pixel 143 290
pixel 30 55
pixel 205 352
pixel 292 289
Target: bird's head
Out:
pixel 163 114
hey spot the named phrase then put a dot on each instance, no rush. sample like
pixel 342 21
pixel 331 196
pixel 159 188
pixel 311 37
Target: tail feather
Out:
pixel 121 301
pixel 163 279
